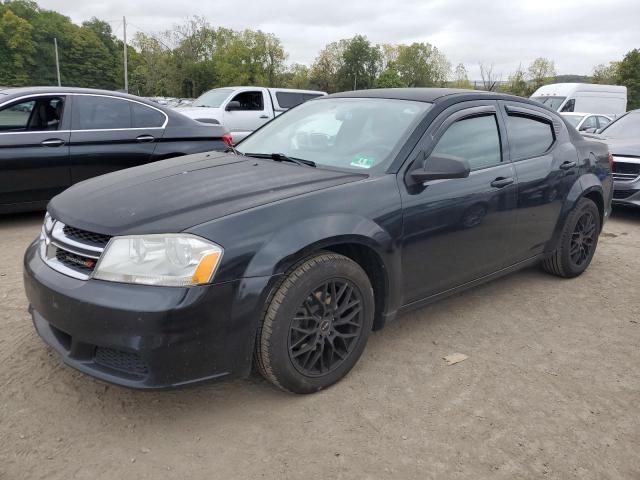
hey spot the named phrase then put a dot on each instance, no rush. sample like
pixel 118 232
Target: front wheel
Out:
pixel 316 324
pixel 577 243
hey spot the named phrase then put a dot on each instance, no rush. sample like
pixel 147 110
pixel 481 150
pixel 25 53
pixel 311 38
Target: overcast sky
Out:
pixel 576 34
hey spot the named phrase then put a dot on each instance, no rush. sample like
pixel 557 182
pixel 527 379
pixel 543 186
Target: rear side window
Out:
pixel 91 113
pixel 289 99
pixel 474 139
pixel 293 99
pixel 528 136
pixel 146 117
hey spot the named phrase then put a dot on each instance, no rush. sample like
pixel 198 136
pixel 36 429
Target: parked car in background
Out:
pixel 180 102
pixel 245 109
pixel 587 122
pixel 53 137
pixel 583 97
pixel 331 219
pixel 623 138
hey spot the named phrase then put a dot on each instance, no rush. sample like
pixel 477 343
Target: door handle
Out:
pixel 502 182
pixel 567 165
pixel 52 142
pixel 264 116
pixel 145 138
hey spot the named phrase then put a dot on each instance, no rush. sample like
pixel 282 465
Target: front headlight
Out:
pixel 176 260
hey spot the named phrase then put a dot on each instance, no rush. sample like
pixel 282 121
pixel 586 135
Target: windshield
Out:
pixel 351 133
pixel 551 102
pixel 627 126
pixel 574 119
pixel 212 98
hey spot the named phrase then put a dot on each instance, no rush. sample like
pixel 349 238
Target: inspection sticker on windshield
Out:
pixel 362 162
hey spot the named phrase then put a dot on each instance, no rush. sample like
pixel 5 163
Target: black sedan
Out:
pixel 53 137
pixel 330 220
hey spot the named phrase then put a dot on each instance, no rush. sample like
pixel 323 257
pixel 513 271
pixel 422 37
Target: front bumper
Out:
pixel 626 193
pixel 144 336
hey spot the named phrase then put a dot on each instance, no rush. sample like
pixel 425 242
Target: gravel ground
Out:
pixel 550 389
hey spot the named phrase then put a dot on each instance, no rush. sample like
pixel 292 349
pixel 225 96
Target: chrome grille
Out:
pixel 71 251
pixel 91 238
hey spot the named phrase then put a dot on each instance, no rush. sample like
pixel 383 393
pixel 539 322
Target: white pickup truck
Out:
pixel 245 109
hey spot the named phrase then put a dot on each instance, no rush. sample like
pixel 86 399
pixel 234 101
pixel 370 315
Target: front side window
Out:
pixel 36 115
pixel 94 112
pixel 589 122
pixel 350 133
pixel 249 100
pixel 603 122
pixel 528 136
pixel 574 120
pixel 570 106
pixel 475 139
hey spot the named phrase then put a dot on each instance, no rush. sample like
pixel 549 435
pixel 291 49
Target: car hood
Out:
pixel 201 112
pixel 179 193
pixel 620 146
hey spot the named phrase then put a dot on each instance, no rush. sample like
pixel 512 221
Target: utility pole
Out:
pixel 126 76
pixel 55 44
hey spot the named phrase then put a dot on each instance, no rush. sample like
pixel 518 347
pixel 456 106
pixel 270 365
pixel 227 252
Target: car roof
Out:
pixel 431 95
pixel 19 91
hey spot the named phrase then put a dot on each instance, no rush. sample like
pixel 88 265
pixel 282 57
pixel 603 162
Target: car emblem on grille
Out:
pixel 84 262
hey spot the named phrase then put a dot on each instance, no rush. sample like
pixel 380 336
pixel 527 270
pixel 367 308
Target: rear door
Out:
pixel 34 150
pixel 458 230
pixel 255 110
pixel 112 133
pixel 545 162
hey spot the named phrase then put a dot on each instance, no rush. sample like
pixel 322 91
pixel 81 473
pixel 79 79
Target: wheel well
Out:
pixel 372 264
pixel 596 198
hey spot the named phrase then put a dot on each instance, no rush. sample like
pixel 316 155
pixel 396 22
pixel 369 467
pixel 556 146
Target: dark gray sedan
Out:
pixel 53 137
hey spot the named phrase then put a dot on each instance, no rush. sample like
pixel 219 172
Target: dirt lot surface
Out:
pixel 550 389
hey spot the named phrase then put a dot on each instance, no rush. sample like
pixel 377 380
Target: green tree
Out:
pixel 326 68
pixel 360 64
pixel 541 72
pixel 606 74
pixel 16 49
pixel 460 77
pixel 628 74
pixel 517 84
pixel 389 78
pixel 297 76
pixel 422 65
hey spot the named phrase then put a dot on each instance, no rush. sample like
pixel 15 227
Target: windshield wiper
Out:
pixel 281 157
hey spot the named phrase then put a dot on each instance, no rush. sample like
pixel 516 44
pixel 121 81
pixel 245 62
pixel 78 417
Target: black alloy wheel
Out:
pixel 583 239
pixel 325 329
pixel 316 323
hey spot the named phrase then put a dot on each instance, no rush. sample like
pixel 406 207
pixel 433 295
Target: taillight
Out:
pixel 228 140
pixel 610 162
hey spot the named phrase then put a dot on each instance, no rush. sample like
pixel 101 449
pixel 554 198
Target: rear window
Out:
pixel 529 137
pixel 292 99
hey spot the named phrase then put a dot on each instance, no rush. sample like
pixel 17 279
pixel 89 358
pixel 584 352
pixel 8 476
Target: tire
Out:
pixel 316 324
pixel 577 243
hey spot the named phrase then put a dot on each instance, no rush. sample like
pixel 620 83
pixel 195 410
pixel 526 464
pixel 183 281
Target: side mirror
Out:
pixel 438 167
pixel 589 130
pixel 233 105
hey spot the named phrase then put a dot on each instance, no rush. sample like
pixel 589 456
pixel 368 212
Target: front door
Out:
pixel 34 151
pixel 254 111
pixel 459 230
pixel 111 133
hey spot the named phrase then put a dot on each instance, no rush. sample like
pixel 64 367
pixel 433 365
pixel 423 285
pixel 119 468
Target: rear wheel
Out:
pixel 578 242
pixel 316 324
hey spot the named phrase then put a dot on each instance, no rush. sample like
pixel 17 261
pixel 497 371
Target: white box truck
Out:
pixel 245 109
pixel 583 97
